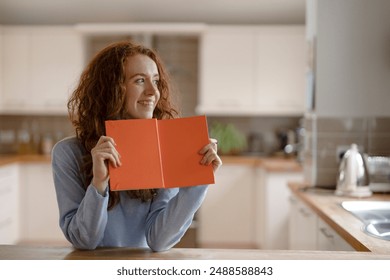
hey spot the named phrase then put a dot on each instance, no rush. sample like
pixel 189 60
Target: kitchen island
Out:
pixel 15 252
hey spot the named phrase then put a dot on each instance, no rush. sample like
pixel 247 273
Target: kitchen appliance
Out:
pixel 287 141
pixel 255 144
pixel 353 177
pixel 379 170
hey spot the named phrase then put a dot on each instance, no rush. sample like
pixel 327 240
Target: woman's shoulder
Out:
pixel 68 145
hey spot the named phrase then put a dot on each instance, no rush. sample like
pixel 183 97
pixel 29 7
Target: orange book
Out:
pixel 159 153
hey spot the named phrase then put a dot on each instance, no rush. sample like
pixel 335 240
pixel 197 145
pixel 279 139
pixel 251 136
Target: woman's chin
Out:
pixel 140 115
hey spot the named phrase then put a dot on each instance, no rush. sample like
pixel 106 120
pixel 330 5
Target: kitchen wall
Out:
pixel 31 133
pixel 349 44
pixel 328 137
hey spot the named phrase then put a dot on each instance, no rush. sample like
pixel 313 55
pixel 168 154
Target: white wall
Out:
pixel 352 57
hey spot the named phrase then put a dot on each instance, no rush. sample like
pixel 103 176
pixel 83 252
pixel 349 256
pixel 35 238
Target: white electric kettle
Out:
pixel 353 177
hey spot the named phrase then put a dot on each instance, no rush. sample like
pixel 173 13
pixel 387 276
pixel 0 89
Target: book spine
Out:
pixel 159 154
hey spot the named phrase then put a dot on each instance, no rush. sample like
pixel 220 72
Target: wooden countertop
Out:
pixel 14 252
pixel 328 207
pixel 10 159
pixel 271 164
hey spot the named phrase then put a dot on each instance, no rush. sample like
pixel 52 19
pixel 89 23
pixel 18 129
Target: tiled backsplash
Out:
pixel 32 134
pixel 15 131
pixel 326 138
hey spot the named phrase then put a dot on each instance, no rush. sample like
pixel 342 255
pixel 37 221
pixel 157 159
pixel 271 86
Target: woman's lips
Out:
pixel 147 103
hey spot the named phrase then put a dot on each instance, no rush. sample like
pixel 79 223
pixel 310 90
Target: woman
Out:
pixel 123 81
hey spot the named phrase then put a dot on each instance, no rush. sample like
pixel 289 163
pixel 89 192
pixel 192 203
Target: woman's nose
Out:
pixel 151 88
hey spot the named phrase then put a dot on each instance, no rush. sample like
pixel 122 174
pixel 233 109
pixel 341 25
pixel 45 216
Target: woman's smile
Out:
pixel 147 103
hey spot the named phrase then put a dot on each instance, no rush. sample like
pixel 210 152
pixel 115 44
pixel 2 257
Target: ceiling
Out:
pixel 114 11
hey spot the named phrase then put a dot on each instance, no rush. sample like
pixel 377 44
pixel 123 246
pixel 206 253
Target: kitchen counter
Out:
pixel 328 206
pixel 271 164
pixel 10 159
pixel 13 252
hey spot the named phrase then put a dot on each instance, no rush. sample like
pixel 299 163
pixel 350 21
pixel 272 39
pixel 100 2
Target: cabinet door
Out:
pixel 9 204
pixel 16 47
pixel 39 210
pixel 329 240
pixel 226 70
pixel 302 227
pixel 1 65
pixel 56 61
pixel 226 217
pixel 41 66
pixel 280 69
pixel 272 219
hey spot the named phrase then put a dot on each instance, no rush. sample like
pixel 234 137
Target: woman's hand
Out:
pixel 102 154
pixel 210 155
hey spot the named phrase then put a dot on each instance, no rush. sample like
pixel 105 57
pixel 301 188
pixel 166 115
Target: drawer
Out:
pixel 8 234
pixel 8 205
pixel 9 178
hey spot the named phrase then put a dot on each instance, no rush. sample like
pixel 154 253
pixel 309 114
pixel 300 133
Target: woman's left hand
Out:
pixel 210 155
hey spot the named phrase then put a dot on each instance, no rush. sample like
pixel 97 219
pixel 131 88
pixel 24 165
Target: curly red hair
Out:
pixel 100 96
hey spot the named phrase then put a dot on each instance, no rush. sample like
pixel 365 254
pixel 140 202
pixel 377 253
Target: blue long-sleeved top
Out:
pixel 87 224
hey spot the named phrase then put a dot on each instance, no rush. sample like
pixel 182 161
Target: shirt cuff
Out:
pixel 104 194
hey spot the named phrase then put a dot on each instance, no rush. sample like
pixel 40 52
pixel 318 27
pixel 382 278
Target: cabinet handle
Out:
pixel 304 212
pixel 293 200
pixel 326 233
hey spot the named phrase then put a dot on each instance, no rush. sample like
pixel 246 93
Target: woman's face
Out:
pixel 142 93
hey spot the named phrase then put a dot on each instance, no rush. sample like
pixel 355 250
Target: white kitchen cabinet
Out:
pixel 329 240
pixel 350 57
pixel 252 70
pixel 307 231
pixel 16 67
pixel 41 66
pixel 9 204
pixel 280 70
pixel 1 63
pixel 272 208
pixel 226 217
pixel 39 211
pixel 302 226
pixel 57 61
pixel 227 69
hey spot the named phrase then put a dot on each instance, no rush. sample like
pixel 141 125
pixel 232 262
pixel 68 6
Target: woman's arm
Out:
pixel 83 213
pixel 171 215
pixel 173 210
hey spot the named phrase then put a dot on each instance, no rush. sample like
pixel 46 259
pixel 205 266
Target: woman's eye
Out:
pixel 156 82
pixel 139 81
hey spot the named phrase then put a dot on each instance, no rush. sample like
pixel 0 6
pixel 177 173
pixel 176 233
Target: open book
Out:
pixel 159 153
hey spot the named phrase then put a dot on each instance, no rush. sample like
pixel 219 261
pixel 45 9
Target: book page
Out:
pixel 138 144
pixel 180 142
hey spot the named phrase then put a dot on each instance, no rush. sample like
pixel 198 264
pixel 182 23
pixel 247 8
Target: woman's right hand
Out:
pixel 103 153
